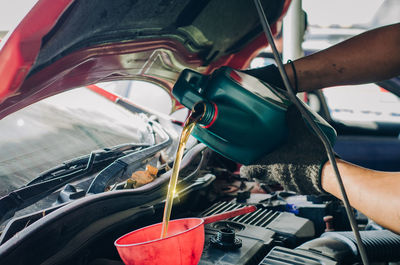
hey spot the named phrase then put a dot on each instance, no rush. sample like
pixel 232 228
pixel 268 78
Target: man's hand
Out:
pixel 297 164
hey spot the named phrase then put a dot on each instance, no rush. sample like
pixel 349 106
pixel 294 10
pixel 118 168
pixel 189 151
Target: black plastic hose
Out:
pixel 381 245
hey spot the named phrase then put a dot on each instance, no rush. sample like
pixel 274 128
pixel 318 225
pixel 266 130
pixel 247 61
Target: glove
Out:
pixel 269 74
pixel 297 164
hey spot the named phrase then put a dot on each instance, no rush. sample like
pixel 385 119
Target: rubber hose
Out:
pixel 381 245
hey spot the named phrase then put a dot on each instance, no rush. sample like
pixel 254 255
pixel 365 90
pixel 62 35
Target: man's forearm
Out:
pixel 374 193
pixel 368 57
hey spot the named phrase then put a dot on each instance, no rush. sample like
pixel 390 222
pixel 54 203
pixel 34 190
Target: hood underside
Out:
pixel 64 44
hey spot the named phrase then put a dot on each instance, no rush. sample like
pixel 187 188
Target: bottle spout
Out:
pixel 204 113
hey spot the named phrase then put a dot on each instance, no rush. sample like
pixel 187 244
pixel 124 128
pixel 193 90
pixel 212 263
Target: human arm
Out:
pixel 374 193
pixel 369 57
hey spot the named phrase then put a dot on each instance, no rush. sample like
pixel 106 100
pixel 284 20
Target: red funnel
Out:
pixel 183 244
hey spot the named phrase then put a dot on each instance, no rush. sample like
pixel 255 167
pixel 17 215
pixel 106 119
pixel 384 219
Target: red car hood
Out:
pixel 65 44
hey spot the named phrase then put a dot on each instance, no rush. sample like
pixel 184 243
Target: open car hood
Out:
pixel 64 44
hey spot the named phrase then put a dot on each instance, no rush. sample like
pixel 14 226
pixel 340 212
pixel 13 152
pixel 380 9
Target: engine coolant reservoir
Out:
pixel 244 118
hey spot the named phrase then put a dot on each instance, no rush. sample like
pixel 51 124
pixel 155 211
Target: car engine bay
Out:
pixel 287 228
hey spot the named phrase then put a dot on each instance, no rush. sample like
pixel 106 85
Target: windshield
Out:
pixel 60 128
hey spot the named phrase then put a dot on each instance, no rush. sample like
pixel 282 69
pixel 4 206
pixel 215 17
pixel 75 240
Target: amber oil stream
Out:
pixel 186 131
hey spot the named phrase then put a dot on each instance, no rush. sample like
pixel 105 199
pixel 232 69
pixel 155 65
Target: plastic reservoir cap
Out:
pixel 182 246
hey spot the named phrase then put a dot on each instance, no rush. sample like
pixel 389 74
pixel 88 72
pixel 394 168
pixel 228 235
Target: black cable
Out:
pixel 316 129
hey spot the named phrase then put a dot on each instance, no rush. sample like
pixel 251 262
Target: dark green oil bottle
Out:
pixel 244 119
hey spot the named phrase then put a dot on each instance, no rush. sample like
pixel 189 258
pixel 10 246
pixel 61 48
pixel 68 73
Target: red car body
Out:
pixel 106 62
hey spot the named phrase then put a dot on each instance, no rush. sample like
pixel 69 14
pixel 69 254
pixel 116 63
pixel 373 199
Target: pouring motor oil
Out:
pixel 186 131
pixel 243 118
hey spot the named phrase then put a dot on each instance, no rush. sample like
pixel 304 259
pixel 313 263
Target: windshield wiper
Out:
pixel 118 167
pixel 86 163
pixel 50 180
